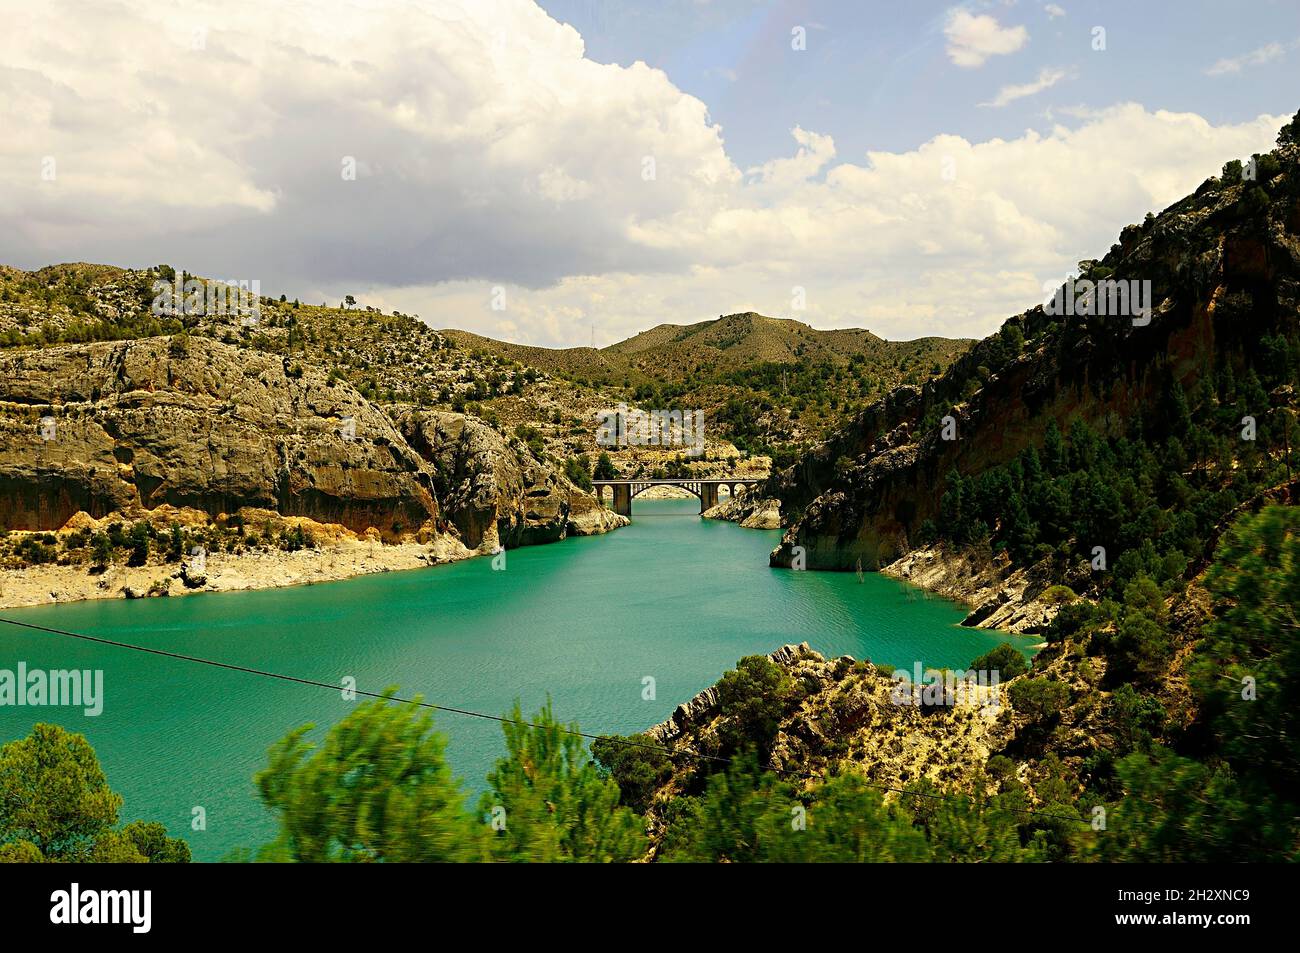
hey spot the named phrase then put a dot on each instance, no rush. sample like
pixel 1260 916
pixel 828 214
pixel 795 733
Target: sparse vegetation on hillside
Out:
pixel 1174 519
pixel 148 541
pixel 771 385
pixel 768 387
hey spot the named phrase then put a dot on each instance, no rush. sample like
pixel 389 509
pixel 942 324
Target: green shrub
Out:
pixel 1006 660
pixel 1039 698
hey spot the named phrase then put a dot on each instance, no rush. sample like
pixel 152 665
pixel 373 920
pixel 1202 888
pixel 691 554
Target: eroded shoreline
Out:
pixel 224 572
pixel 334 554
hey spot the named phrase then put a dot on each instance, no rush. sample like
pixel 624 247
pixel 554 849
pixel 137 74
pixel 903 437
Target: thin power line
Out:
pixel 318 684
pixel 627 742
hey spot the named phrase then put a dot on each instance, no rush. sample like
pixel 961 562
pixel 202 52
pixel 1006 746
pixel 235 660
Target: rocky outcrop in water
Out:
pixel 845 716
pixel 752 511
pixel 1002 596
pixel 704 707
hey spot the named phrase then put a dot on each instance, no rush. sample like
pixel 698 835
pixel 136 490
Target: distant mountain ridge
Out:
pixel 727 343
pixel 773 385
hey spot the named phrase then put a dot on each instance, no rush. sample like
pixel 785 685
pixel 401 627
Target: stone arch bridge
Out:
pixel 705 490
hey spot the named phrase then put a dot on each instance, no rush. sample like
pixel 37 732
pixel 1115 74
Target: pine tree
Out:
pixel 1054 458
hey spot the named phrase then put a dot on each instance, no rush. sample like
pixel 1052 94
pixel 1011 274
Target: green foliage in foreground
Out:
pixel 638 765
pixel 755 695
pixel 1006 660
pixel 1225 789
pixel 747 815
pixel 550 803
pixel 377 789
pixel 56 805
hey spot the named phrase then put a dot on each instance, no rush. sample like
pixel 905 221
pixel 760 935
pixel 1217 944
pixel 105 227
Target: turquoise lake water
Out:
pixel 586 620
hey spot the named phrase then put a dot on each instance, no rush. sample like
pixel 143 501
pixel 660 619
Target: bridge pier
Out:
pixel 623 499
pixel 708 496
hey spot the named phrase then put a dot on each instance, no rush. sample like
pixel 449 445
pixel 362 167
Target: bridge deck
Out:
pixel 679 480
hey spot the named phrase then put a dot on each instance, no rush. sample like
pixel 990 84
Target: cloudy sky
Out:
pixel 596 167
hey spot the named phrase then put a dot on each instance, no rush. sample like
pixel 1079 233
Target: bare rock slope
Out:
pixel 129 426
pixel 188 422
pixel 496 491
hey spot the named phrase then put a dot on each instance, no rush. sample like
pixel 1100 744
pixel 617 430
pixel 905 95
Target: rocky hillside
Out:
pixel 810 720
pixel 133 425
pixel 768 383
pixel 767 386
pixel 496 491
pixel 731 342
pixel 1125 488
pixel 119 458
pixel 844 709
pixel 1224 268
pixel 395 361
pixel 737 341
pixel 190 422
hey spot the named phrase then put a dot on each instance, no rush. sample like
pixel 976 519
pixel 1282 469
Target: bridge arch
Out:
pixel 704 489
pixel 689 486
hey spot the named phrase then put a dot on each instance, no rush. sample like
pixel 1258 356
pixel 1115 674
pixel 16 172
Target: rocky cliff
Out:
pixel 751 511
pixel 1224 268
pixel 495 491
pixel 189 422
pixel 1002 596
pixel 129 426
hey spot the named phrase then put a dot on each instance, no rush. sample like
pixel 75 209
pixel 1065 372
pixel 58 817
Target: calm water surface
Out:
pixel 672 596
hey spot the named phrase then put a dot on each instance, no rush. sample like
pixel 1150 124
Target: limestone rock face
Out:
pixel 1001 595
pixel 701 709
pixel 589 517
pixel 494 490
pixel 847 715
pixel 134 425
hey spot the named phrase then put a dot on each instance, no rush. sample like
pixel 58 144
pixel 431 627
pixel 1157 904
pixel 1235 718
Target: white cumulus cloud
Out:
pixel 485 143
pixel 815 151
pixel 490 151
pixel 973 38
pixel 949 238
